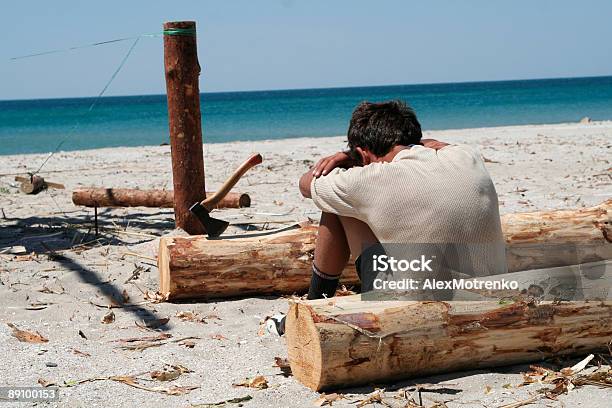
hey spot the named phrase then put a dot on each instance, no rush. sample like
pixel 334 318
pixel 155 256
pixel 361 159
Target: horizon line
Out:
pixel 318 88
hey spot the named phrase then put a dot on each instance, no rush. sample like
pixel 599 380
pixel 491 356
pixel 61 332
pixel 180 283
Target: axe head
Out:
pixel 213 226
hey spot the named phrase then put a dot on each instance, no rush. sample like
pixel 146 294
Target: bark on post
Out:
pixel 182 75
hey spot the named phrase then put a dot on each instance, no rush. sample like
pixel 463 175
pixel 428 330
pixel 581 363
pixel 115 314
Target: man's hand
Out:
pixel 327 164
pixel 323 167
pixel 433 144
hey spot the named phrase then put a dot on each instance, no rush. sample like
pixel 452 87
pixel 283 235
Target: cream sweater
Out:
pixel 422 196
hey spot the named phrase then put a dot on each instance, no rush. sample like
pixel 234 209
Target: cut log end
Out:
pixel 31 185
pixel 244 201
pixel 304 347
pixel 163 264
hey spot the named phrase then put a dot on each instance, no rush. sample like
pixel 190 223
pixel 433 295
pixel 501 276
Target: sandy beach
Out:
pixel 64 284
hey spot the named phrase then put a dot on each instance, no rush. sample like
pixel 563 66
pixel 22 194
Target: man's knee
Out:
pixel 359 235
pixel 331 249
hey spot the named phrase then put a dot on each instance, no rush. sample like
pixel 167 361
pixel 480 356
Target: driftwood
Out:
pixel 198 267
pixel 345 341
pixel 124 197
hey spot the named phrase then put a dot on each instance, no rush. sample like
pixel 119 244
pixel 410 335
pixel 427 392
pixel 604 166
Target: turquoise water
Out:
pixel 32 126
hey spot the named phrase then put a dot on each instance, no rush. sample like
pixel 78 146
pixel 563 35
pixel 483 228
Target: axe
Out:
pixel 213 226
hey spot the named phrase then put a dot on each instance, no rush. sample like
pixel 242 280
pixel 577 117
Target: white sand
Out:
pixel 534 167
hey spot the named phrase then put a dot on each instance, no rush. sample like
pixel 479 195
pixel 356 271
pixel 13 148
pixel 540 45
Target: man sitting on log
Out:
pixel 392 186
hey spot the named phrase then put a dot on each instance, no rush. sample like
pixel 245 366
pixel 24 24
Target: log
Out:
pixel 124 197
pixel 184 119
pixel 544 239
pixel 347 342
pixel 198 267
pixel 31 185
pixel 35 184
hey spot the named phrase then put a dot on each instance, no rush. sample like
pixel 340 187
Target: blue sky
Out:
pixel 280 44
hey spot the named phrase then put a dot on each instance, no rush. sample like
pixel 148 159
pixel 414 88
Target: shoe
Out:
pixel 276 324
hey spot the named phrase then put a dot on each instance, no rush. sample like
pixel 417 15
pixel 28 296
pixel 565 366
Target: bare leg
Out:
pixel 337 238
pixel 330 257
pixel 358 235
pixel 331 249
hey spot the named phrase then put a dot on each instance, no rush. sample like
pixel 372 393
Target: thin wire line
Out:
pixel 112 78
pixel 78 47
pixel 93 104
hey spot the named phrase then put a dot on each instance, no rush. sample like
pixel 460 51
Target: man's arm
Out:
pixel 322 168
pixel 305 182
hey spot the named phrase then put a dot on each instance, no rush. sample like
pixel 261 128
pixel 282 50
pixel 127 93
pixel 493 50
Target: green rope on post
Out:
pixel 180 31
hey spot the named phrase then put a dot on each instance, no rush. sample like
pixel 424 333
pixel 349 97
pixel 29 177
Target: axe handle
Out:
pixel 210 202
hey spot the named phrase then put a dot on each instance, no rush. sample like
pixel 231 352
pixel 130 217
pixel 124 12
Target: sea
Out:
pixel 45 125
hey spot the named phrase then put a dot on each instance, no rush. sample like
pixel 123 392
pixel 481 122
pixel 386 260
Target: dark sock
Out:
pixel 322 285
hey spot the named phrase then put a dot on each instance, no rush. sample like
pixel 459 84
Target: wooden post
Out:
pixel 182 72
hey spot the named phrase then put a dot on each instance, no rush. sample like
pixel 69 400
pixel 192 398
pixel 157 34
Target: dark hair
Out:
pixel 380 126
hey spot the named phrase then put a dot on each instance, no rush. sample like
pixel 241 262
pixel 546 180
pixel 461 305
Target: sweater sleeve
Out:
pixel 338 192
